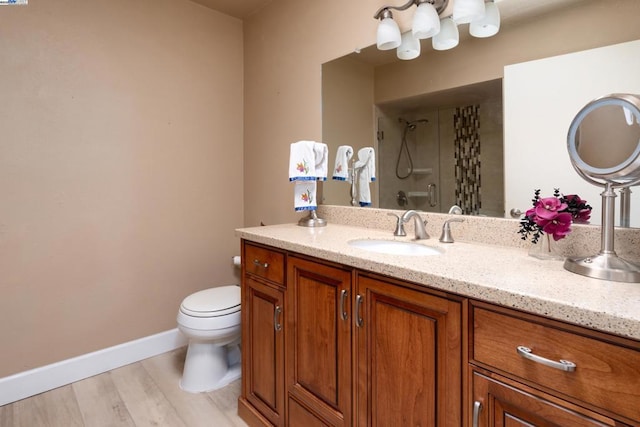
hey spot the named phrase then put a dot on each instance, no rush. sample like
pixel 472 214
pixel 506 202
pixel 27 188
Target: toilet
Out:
pixel 210 319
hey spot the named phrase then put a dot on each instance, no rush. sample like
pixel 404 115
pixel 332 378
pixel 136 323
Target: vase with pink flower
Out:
pixel 550 220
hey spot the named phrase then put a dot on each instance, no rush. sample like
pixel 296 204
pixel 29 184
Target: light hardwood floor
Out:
pixel 145 393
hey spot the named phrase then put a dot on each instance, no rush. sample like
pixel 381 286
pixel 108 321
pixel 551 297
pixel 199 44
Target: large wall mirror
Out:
pixel 516 93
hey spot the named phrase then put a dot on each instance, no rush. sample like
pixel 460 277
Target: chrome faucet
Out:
pixel 421 232
pixel 446 236
pixel 455 210
pixel 399 231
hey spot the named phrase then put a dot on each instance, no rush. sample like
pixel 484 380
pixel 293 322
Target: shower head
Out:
pixel 411 125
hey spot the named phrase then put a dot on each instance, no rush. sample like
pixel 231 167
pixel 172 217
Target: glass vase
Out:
pixel 546 249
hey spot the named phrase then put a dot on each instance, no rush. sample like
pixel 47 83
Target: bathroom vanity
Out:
pixel 334 335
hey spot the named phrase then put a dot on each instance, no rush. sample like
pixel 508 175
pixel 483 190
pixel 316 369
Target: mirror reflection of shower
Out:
pixel 409 155
pixel 430 157
pixel 409 126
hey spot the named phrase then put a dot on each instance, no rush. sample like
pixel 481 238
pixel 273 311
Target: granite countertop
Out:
pixel 502 275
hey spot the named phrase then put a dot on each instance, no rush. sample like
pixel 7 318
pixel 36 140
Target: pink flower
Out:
pixel 548 207
pixel 559 226
pixel 580 211
pixel 553 215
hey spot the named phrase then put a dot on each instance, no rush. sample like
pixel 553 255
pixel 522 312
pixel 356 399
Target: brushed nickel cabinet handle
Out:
pixel 276 318
pixel 477 407
pixel 359 320
pixel 343 298
pixel 260 264
pixel 563 365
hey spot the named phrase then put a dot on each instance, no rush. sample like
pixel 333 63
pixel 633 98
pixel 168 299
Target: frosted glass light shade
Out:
pixel 426 22
pixel 388 36
pixel 409 47
pixel 487 26
pixel 448 37
pixel 465 11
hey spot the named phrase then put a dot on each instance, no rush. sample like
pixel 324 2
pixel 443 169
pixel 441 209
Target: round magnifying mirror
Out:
pixel 604 139
pixel 604 147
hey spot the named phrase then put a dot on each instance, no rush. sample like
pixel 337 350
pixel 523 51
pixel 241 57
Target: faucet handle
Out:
pixel 399 231
pixel 446 236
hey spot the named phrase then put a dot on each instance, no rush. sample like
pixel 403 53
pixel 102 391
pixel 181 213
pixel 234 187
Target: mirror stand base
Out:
pixel 607 266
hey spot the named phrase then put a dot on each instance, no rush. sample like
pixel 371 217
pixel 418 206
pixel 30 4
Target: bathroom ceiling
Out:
pixel 509 9
pixel 237 8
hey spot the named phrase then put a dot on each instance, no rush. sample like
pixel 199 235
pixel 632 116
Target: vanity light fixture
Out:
pixel 465 11
pixel 487 26
pixel 388 36
pixel 409 47
pixel 483 19
pixel 448 37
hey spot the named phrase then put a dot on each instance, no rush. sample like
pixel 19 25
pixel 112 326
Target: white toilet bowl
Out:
pixel 211 321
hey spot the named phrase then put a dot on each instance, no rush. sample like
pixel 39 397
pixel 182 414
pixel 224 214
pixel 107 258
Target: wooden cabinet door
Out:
pixel 263 351
pixel 499 404
pixel 409 356
pixel 318 342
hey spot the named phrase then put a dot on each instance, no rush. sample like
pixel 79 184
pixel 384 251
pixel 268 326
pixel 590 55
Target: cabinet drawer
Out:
pixel 263 262
pixel 606 375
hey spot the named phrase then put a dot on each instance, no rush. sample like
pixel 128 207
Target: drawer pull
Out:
pixel 343 298
pixel 260 264
pixel 359 321
pixel 477 407
pixel 276 318
pixel 563 365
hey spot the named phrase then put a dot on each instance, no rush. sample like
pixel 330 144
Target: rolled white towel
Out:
pixel 367 155
pixel 321 152
pixel 367 163
pixel 341 168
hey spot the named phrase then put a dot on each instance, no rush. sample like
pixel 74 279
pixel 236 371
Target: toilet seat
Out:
pixel 214 302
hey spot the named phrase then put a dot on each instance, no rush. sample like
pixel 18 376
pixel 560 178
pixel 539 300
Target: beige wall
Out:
pixel 285 46
pixel 120 170
pixel 286 43
pixel 347 109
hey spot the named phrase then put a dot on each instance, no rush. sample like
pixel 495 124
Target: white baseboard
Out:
pixel 44 378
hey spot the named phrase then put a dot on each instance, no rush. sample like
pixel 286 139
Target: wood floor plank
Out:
pixel 195 409
pixel 100 402
pixel 145 402
pixel 226 399
pixel 55 408
pixel 6 415
pixel 143 394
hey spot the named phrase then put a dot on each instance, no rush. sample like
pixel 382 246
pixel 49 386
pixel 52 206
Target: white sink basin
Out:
pixel 394 247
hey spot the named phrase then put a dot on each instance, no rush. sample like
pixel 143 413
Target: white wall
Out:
pixel 541 98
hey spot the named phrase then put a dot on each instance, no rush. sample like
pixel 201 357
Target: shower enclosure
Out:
pixel 433 158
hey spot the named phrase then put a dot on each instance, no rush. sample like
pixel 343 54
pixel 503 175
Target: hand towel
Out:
pixel 321 152
pixel 302 161
pixel 341 168
pixel 367 155
pixel 367 168
pixel 305 196
pixel 308 161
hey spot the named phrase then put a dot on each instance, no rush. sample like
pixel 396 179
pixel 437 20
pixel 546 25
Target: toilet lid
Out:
pixel 220 301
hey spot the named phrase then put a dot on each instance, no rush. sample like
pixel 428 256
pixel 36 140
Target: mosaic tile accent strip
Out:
pixel 466 122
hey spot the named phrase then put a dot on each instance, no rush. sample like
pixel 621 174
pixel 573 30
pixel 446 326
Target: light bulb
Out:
pixel 409 48
pixel 487 26
pixel 448 37
pixel 426 22
pixel 465 11
pixel 388 36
